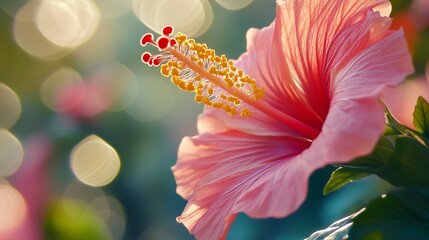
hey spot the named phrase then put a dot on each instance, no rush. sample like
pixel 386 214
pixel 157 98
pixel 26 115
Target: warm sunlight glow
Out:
pixel 384 9
pixel 29 38
pixel 192 17
pixel 62 79
pixel 234 4
pixel 94 162
pixel 10 106
pixel 12 208
pixel 67 23
pixel 11 153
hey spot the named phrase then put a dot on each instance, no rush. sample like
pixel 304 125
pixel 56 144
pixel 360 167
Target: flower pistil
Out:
pixel 216 81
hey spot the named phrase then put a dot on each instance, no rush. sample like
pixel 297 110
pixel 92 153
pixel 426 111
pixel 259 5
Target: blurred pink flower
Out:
pixel 404 20
pixel 84 100
pixel 32 182
pixel 419 11
pixel 402 99
pixel 323 63
pixel 413 21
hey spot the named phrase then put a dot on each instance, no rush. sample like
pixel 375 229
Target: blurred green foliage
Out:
pixel 73 220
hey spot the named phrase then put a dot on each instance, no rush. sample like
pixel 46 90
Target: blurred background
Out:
pixel 88 133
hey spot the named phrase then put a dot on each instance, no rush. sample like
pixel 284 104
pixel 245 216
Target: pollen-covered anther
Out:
pixel 245 113
pixel 174 71
pixel 194 67
pixel 165 70
pixel 210 91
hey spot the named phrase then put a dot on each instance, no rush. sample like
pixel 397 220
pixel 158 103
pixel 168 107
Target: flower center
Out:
pixel 195 68
pixel 215 80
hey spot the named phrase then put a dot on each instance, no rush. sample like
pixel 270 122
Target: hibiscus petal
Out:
pixel 257 124
pixel 309 44
pixel 308 31
pixel 351 129
pixel 230 172
pixel 321 62
pixel 265 63
pixel 207 122
pixel 258 65
pixel 385 63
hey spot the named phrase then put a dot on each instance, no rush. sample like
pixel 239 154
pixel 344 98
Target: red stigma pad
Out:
pixel 157 60
pixel 163 42
pixel 167 30
pixel 173 42
pixel 145 57
pixel 147 38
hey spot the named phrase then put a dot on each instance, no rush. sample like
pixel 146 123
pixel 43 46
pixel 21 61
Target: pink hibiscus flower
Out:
pixel 311 97
pixel 419 10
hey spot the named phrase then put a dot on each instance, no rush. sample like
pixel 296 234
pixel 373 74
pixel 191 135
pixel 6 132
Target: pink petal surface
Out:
pixel 385 63
pixel 299 73
pixel 323 63
pixel 242 180
pixel 351 130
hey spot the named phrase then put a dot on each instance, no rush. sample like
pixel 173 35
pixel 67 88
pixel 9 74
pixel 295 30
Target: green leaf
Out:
pixel 399 214
pixel 389 131
pixel 336 231
pixel 342 176
pixel 405 165
pixel 421 116
pixel 408 165
pixel 360 167
pixel 375 160
pixel 394 126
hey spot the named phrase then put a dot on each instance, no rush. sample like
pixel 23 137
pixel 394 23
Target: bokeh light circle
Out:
pixel 29 38
pixel 111 211
pixel 12 208
pixel 78 190
pixel 192 17
pixel 11 153
pixel 94 162
pixel 67 23
pixel 10 106
pixel 234 4
pixel 58 82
